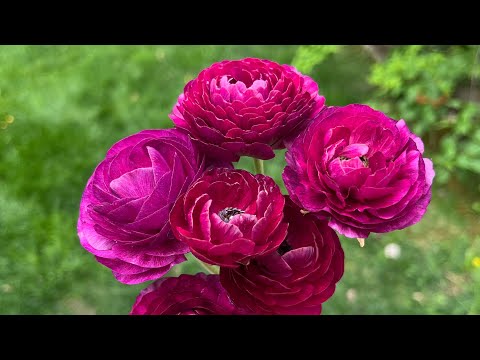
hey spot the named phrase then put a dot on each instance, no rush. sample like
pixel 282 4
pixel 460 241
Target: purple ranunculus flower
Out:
pixel 361 169
pixel 125 206
pixel 198 294
pixel 229 216
pixel 246 107
pixel 298 277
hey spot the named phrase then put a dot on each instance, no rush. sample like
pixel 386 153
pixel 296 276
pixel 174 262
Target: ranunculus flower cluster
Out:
pixel 160 194
pixel 295 279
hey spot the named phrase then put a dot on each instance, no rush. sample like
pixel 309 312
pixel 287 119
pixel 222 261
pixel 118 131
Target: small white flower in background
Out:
pixel 392 251
pixel 6 288
pixel 351 295
pixel 418 296
pixel 160 55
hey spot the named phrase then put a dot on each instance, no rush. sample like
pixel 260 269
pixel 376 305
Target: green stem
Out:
pixel 259 169
pixel 211 269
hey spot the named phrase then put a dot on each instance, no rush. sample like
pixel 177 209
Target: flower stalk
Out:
pixel 211 269
pixel 259 167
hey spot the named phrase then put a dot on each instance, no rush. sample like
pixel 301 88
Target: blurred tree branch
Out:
pixel 468 93
pixel 378 52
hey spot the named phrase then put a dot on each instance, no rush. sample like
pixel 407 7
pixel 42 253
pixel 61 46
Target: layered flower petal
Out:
pixel 361 169
pixel 198 294
pixel 229 216
pixel 246 107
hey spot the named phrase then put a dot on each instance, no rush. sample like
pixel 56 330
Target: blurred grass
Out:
pixel 69 104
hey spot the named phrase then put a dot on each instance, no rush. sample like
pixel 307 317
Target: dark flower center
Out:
pixel 228 212
pixel 362 158
pixel 284 248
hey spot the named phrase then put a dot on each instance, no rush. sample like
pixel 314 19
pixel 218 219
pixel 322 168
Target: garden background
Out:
pixel 62 107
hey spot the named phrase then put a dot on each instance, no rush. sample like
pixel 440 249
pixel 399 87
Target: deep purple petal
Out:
pixel 124 211
pixel 360 168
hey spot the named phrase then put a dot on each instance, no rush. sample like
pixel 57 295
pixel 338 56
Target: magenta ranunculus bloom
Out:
pixel 198 294
pixel 362 170
pixel 229 216
pixel 246 107
pixel 125 206
pixel 295 279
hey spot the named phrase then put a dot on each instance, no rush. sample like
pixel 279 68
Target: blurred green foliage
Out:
pixel 62 107
pixel 310 55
